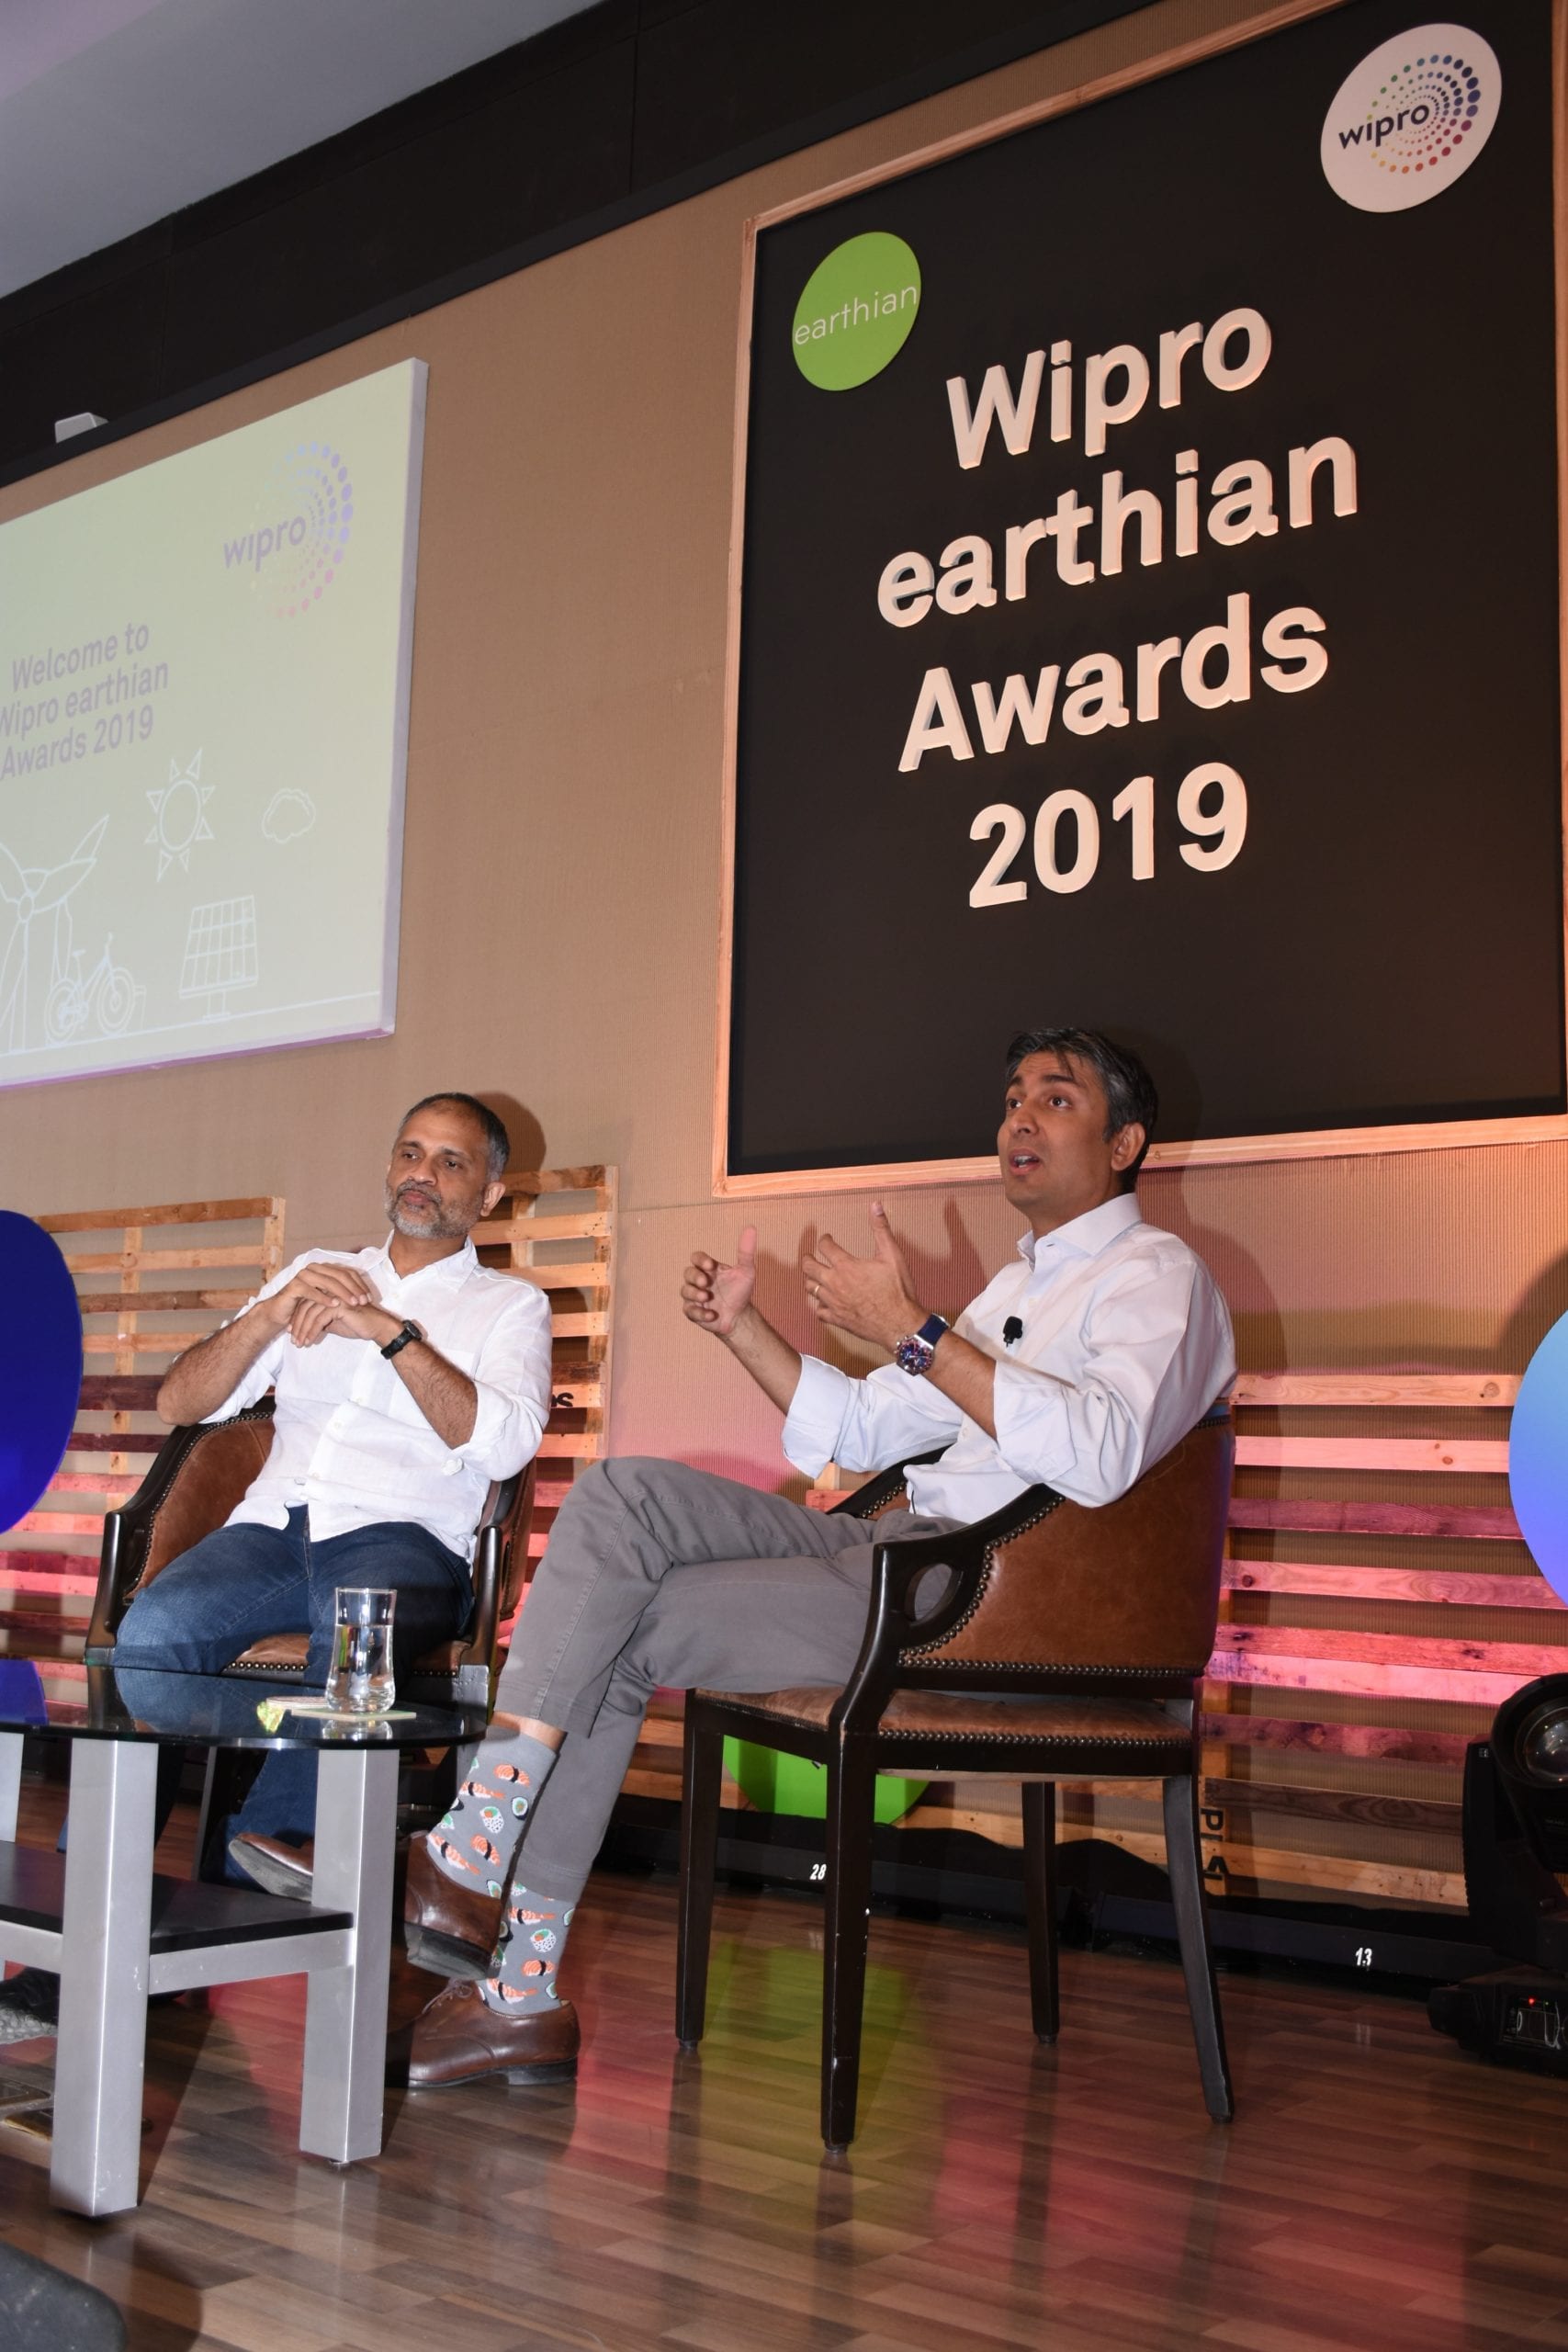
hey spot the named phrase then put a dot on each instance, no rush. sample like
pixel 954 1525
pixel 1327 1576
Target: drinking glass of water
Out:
pixel 360 1682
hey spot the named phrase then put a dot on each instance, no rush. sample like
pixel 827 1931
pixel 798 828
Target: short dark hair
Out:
pixel 498 1143
pixel 1131 1096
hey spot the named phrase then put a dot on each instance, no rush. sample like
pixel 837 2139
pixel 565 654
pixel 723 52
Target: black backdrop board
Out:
pixel 1364 935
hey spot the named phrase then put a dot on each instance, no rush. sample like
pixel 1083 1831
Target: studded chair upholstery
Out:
pixel 1067 1646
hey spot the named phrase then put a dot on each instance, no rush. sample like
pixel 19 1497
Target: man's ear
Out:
pixel 1125 1144
pixel 492 1193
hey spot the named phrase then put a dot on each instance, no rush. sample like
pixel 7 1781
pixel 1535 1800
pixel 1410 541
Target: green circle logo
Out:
pixel 856 313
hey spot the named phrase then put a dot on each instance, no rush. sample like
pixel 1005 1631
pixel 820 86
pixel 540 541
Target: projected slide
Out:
pixel 204 679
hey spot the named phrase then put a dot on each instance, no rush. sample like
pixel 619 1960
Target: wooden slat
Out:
pixel 116 1441
pixel 135 1392
pixel 1327 1517
pixel 1469 1688
pixel 1453 1655
pixel 57 1522
pixel 1412 1453
pixel 592 1325
pixel 578 1445
pixel 1230 1868
pixel 557 1180
pixel 174 1213
pixel 91 1482
pixel 1336 1583
pixel 1351 1806
pixel 1324 1388
pixel 163 1302
pixel 1378 1743
pixel 1391 1882
pixel 143 1343
pixel 589 1274
pixel 532 1225
pixel 110 1262
pixel 72 1564
pixel 580 1397
pixel 35 1577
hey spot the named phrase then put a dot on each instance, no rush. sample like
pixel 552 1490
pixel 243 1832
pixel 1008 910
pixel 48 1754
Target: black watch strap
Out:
pixel 400 1340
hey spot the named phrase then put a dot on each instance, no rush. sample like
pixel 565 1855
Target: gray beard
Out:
pixel 443 1227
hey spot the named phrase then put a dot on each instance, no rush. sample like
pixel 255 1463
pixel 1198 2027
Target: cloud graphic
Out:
pixel 289 815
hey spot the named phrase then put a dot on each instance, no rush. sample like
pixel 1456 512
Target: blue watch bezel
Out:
pixel 913 1352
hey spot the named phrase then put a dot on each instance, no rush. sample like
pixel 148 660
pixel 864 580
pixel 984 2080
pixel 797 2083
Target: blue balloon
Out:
pixel 1538 1457
pixel 40 1363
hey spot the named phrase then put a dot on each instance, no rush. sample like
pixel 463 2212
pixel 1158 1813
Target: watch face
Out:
pixel 913 1354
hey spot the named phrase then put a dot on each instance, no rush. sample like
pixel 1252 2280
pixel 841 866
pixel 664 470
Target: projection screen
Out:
pixel 204 684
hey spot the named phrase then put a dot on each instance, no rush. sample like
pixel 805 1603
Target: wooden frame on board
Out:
pixel 1314 1144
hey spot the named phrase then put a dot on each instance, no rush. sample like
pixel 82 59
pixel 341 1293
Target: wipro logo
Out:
pixel 1411 119
pixel 304 522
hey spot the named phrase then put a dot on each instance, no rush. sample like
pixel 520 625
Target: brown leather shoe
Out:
pixel 451 1930
pixel 458 2040
pixel 272 1863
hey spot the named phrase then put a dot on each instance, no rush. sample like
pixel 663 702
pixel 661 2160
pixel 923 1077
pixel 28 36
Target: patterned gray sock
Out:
pixel 474 1843
pixel 533 1938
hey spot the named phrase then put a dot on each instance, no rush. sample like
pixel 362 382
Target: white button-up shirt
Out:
pixel 348 1440
pixel 1127 1344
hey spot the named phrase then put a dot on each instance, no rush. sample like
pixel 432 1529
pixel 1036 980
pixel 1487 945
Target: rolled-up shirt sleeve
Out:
pixel 1148 1341
pixel 512 1385
pixel 863 1424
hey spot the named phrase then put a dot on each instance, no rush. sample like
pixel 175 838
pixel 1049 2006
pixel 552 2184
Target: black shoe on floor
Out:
pixel 30 2004
pixel 282 1865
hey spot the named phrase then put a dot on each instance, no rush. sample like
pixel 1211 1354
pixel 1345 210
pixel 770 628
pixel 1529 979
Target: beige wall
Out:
pixel 561 877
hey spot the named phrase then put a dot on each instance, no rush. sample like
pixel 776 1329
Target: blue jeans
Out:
pixel 205 1609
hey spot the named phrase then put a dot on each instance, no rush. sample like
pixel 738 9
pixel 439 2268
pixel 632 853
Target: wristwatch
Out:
pixel 400 1340
pixel 913 1352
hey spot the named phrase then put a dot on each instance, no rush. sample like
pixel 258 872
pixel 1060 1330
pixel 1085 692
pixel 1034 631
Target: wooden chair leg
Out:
pixel 1185 1865
pixel 851 1784
pixel 227 1777
pixel 1040 1904
pixel 702 1764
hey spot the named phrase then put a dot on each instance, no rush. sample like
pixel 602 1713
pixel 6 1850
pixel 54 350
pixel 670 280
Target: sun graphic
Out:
pixel 179 807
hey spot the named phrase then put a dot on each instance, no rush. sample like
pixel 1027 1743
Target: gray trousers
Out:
pixel 661 1576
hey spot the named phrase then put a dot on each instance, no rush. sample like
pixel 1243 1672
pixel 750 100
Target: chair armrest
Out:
pixel 897 1569
pixel 500 1558
pixel 197 1476
pixel 1050 1588
pixel 879 1493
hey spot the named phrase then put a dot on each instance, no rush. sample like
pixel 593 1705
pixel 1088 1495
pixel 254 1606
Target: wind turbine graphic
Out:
pixel 36 890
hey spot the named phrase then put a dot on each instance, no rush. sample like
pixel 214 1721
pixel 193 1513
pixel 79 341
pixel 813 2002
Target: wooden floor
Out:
pixel 1379 2189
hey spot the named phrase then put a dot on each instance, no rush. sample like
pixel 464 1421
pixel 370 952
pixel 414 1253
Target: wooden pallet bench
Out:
pixel 150 1281
pixel 556 1227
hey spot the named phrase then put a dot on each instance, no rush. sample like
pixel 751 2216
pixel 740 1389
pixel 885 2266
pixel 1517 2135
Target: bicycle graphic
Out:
pixel 108 995
pixel 42 982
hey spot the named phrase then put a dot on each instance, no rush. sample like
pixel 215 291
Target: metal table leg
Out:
pixel 345 2015
pixel 103 1977
pixel 10 1783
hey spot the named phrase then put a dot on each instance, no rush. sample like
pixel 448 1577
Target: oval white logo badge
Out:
pixel 1411 119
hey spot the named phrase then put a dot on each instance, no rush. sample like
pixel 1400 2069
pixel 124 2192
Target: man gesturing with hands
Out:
pixel 1085 1358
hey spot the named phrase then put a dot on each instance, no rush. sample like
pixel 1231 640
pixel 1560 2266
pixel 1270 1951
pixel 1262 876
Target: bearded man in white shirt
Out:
pixel 406 1377
pixel 1080 1365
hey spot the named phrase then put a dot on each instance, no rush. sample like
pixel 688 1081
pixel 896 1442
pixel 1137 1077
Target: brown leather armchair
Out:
pixel 1069 1648
pixel 196 1479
